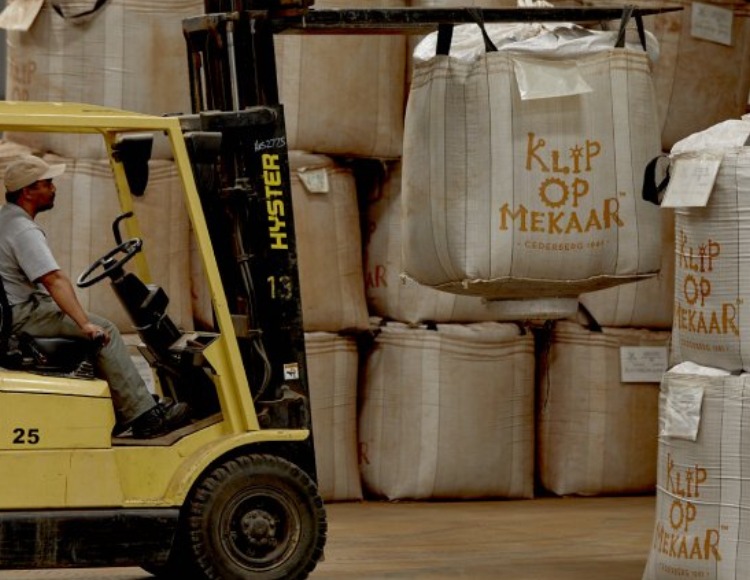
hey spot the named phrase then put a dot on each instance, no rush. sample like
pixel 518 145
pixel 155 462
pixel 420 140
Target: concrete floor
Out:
pixel 541 539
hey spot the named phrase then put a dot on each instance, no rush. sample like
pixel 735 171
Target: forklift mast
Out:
pixel 236 140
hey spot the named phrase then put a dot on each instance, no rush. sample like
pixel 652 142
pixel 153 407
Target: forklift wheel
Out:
pixel 256 516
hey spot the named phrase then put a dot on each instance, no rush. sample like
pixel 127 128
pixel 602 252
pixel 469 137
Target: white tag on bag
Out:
pixel 692 180
pixel 20 14
pixel 539 79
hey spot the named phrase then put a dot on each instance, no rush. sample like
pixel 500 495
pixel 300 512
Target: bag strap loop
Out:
pixel 444 38
pixel 445 33
pixel 477 16
pixel 651 190
pixel 627 13
pixel 96 8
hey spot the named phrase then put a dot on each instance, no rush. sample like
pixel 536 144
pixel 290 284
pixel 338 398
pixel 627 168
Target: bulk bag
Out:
pixel 344 95
pixel 332 365
pixel 448 413
pixel 596 434
pixel 701 81
pixel 329 247
pixel 523 166
pixel 394 297
pixel 712 252
pixel 125 54
pixel 702 494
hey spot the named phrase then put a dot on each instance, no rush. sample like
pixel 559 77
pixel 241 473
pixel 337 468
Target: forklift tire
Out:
pixel 256 516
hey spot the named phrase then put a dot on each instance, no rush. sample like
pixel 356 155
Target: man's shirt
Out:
pixel 24 254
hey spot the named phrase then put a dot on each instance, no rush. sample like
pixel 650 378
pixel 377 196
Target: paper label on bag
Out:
pixel 642 364
pixel 711 22
pixel 548 79
pixel 314 180
pixel 692 180
pixel 20 14
pixel 682 412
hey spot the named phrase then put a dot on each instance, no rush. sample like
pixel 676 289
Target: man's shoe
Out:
pixel 160 420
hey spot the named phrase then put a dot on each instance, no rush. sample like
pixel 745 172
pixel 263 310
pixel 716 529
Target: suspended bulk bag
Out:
pixel 393 297
pixel 448 413
pixel 703 492
pixel 80 231
pixel 523 167
pixel 712 249
pixel 596 433
pixel 332 365
pixel 126 54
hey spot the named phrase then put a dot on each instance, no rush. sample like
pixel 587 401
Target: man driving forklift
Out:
pixel 43 301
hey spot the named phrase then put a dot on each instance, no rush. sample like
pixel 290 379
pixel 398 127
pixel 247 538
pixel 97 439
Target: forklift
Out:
pixel 232 495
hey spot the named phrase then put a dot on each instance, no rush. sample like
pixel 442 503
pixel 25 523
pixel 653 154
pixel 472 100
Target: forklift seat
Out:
pixel 50 355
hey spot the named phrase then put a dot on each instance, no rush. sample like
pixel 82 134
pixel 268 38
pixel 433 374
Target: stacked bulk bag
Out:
pixel 344 95
pixel 699 80
pixel 392 296
pixel 516 185
pixel 79 231
pixel 596 434
pixel 332 366
pixel 703 495
pixel 126 54
pixel 448 413
pixel 329 247
pixel 712 251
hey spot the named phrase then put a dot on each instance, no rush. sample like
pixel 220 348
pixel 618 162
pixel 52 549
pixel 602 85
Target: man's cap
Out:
pixel 28 169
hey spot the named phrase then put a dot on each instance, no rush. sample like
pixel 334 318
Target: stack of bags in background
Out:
pixel 454 395
pixel 702 486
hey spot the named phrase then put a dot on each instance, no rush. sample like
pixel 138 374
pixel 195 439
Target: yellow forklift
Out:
pixel 232 495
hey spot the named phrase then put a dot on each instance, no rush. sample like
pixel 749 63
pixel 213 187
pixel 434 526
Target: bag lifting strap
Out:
pixel 445 34
pixel 627 12
pixel 97 6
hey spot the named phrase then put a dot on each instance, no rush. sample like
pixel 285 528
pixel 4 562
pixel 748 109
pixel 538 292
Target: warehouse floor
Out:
pixel 541 539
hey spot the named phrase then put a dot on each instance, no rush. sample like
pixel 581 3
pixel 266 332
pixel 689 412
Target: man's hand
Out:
pixel 95 332
pixel 62 292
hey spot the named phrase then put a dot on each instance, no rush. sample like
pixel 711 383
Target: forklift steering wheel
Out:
pixel 108 263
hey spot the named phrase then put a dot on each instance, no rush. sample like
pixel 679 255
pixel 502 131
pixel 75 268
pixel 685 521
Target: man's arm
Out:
pixel 61 289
